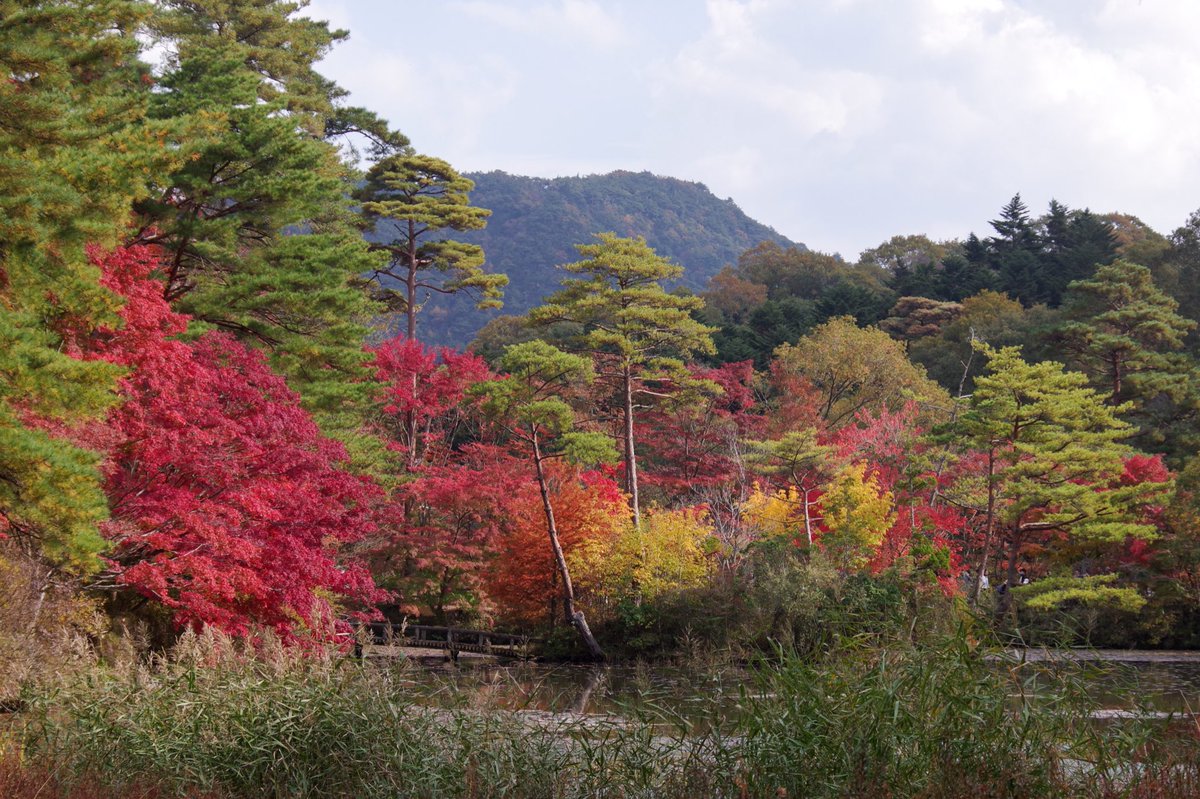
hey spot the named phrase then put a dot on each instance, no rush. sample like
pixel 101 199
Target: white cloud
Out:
pixel 586 21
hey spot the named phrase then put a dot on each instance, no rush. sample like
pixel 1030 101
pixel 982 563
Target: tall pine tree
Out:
pixel 411 201
pixel 637 332
pixel 75 151
pixel 1051 453
pixel 257 222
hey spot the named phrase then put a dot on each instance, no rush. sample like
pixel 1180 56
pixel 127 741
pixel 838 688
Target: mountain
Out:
pixel 536 222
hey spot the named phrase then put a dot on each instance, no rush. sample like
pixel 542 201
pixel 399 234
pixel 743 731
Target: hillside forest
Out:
pixel 219 406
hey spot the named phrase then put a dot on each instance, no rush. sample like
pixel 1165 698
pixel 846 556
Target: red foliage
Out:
pixel 920 532
pixel 228 506
pixel 424 385
pixel 797 402
pixel 447 523
pixel 885 441
pixel 1145 469
pixel 685 447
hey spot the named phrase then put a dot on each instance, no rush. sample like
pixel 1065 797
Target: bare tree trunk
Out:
pixel 631 478
pixel 574 617
pixel 410 310
pixel 807 520
pixel 991 527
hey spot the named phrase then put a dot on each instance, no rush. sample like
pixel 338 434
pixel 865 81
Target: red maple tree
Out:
pixel 228 506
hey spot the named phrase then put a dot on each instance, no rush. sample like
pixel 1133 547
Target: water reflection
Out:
pixel 690 695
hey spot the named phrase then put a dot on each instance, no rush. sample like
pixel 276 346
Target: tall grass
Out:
pixel 928 722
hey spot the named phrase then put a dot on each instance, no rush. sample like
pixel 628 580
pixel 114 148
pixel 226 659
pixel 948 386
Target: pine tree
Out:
pixel 529 406
pixel 410 201
pixel 635 330
pixel 257 222
pixel 74 152
pixel 1051 455
pixel 801 464
pixel 1123 333
pixel 1127 336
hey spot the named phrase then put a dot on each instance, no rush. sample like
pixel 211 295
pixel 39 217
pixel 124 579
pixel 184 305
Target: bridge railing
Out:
pixel 453 639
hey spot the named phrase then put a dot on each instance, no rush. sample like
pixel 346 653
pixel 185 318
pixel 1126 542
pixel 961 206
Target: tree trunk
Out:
pixel 1006 603
pixel 631 479
pixel 991 527
pixel 410 310
pixel 807 520
pixel 574 617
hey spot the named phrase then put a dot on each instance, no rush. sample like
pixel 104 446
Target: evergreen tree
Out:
pixel 1076 243
pixel 637 331
pixel 256 222
pixel 74 152
pixel 961 276
pixel 410 202
pixel 1014 253
pixel 528 404
pixel 1122 333
pixel 798 464
pixel 1050 455
pixel 1126 335
pixel 1182 262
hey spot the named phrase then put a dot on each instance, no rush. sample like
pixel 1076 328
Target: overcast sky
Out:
pixel 838 122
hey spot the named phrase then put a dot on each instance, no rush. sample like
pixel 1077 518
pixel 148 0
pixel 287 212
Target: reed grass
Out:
pixel 921 722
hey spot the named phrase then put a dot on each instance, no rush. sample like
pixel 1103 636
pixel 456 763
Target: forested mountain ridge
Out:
pixel 536 222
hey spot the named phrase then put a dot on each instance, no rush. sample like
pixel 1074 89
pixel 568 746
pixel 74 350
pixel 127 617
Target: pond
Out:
pixel 1116 680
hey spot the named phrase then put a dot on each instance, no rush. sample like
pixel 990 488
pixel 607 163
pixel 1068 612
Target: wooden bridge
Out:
pixel 449 639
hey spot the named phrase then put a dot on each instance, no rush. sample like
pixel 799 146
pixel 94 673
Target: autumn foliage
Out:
pixel 589 509
pixel 228 506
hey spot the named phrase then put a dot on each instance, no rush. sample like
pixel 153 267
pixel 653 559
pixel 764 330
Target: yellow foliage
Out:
pixel 775 513
pixel 670 552
pixel 857 515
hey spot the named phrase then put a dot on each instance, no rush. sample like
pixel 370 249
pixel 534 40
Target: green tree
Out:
pixel 1123 333
pixel 853 368
pixel 638 332
pixel 1076 242
pixel 1014 253
pixel 75 151
pixel 529 406
pixel 911 263
pixel 1052 456
pixel 410 202
pixel 256 220
pixel 989 316
pixel 800 463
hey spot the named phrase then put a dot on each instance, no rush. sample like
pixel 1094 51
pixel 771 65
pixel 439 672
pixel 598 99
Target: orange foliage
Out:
pixel 523 580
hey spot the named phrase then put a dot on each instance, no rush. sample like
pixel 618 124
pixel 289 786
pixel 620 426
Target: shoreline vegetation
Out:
pixel 221 720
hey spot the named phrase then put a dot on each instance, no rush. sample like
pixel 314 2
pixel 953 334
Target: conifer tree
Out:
pixel 528 404
pixel 257 221
pixel 1076 243
pixel 802 463
pixel 1015 253
pixel 1123 334
pixel 410 201
pixel 1052 455
pixel 637 333
pixel 74 152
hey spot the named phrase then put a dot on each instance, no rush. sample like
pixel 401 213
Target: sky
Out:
pixel 839 123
